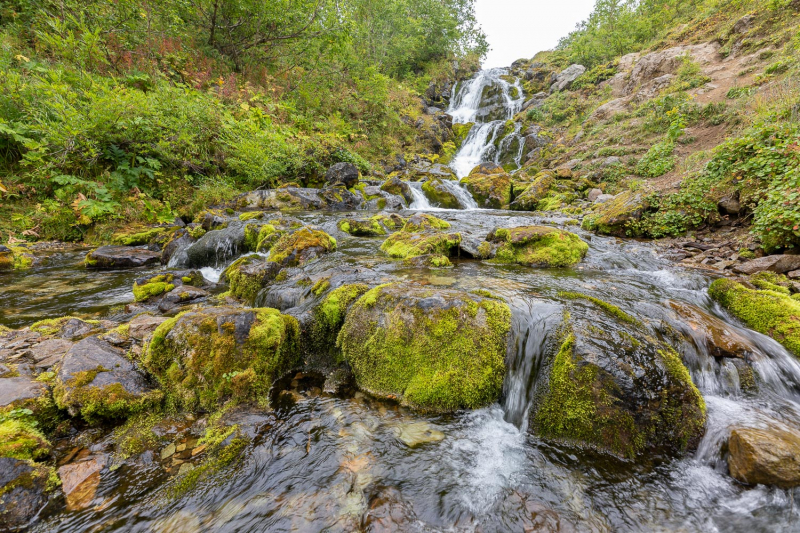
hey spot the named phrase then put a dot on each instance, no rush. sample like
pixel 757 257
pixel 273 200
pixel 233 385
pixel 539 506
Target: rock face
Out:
pixel 768 312
pixel 342 173
pixel 490 186
pixel 780 264
pixel 95 380
pixel 566 77
pixel 437 350
pixel 206 356
pixel 613 387
pixel 23 492
pixel 768 457
pixel 111 257
pixel 538 246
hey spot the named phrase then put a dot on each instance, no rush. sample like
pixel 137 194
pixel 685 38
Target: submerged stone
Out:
pixel 416 434
pixel 206 356
pixel 23 492
pixel 538 246
pixel 433 349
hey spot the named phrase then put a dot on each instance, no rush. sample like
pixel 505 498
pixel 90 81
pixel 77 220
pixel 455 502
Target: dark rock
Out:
pixel 110 257
pixel 49 352
pixel 216 246
pixel 730 205
pixel 179 296
pixel 181 240
pixel 710 334
pixel 398 187
pixel 342 173
pixel 24 492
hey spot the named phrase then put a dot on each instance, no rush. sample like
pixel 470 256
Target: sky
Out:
pixel 520 28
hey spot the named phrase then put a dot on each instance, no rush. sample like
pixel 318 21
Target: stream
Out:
pixel 339 463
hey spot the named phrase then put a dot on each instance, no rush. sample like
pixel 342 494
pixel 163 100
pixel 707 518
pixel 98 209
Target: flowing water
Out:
pixel 337 463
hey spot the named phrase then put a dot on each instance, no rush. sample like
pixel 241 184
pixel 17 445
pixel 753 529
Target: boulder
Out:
pixel 181 295
pixel 765 456
pixel 490 188
pixel 710 334
pixel 768 312
pixel 97 382
pixel 209 355
pixel 422 235
pixel 538 246
pixel 302 246
pixel 564 79
pixel 794 274
pixel 80 481
pixel 110 257
pixel 438 350
pixel 594 194
pixel 143 325
pixel 342 173
pixel 439 195
pixel 398 187
pixel 20 391
pixel 773 263
pixel 612 386
pixel 613 215
pixel 248 275
pixel 603 198
pixel 23 492
pixel 424 170
pixel 529 199
pixel 362 228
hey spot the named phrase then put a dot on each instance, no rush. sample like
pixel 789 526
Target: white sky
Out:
pixel 520 28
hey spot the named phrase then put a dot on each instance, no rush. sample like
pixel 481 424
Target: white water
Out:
pixel 421 202
pixel 465 106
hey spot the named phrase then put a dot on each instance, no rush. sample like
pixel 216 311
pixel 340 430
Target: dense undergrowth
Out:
pixel 137 111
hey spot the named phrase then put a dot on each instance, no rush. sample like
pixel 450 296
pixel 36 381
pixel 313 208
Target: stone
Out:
pixel 439 195
pixel 594 194
pixel 24 492
pixel 710 334
pixel 80 481
pixel 416 434
pixel 179 296
pixel 564 79
pixel 389 513
pixel 610 161
pixel 612 215
pixel 49 352
pixel 111 257
pixel 744 24
pixel 534 193
pixel 542 246
pixel 765 456
pixel 603 198
pixel 398 187
pixel 490 186
pixel 774 263
pixel 168 451
pixel 342 173
pixel 730 205
pixel 18 391
pixel 794 274
pixel 143 325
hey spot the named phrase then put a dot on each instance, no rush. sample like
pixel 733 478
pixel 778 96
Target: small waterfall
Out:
pixel 422 203
pixel 489 101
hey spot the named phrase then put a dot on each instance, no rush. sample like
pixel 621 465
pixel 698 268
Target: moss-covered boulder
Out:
pixel 391 221
pixel 538 246
pixel 537 191
pixel 205 357
pixel 248 275
pixel 149 287
pixel 261 237
pixel 24 488
pixel 95 380
pixel 424 222
pixel 439 195
pixel 20 438
pixel 398 187
pixel 437 350
pixel 302 246
pixel 613 387
pixel 429 261
pixel 15 257
pixel 769 312
pixel 405 245
pixel 140 235
pixel 615 216
pixel 329 316
pixel 490 188
pixel 370 227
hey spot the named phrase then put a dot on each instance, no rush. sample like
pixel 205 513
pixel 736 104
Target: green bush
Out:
pixel 657 161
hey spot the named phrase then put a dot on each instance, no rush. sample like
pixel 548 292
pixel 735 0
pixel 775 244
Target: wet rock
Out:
pixel 110 257
pixel 23 492
pixel 80 481
pixel 416 434
pixel 614 387
pixel 594 194
pixel 710 334
pixel 408 243
pixel 765 456
pixel 209 355
pixel 180 240
pixel 398 187
pixel 67 327
pixel 143 325
pixel 437 349
pixel 773 263
pixel 613 216
pixel 477 248
pixel 342 173
pixel 359 227
pixel 216 246
pixel 538 246
pixel 181 295
pixel 564 79
pixel 491 189
pixel 95 380
pixel 248 275
pixel 768 312
pixel 423 169
pixel 537 191
pixel 439 195
pixel 389 513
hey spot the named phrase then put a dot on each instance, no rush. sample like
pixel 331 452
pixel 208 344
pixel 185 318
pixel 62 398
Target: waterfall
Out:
pixel 489 101
pixel 421 202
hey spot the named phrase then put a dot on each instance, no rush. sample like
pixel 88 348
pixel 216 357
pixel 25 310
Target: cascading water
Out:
pixel 488 100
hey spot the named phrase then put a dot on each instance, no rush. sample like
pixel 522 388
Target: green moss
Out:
pixel 51 326
pixel 21 439
pixel 492 191
pixel 605 306
pixel 148 290
pixel 441 359
pixel 197 232
pixel 138 237
pixel 244 285
pixel 539 245
pixel 366 228
pixel 203 364
pixel 251 215
pixel 679 372
pixel 288 250
pixel 321 286
pixel 330 314
pixel 406 245
pixel 423 222
pixel 769 312
pixel 770 281
pixel 137 435
pixel 260 237
pixel 439 195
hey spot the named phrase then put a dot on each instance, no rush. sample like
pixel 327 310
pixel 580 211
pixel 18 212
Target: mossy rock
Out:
pixel 16 257
pixel 302 246
pixel 20 438
pixel 404 245
pixel 538 246
pixel 439 195
pixel 398 187
pixel 429 261
pixel 139 236
pixel 438 350
pixel 769 312
pixel 261 237
pixel 251 215
pixel 111 257
pixel 391 221
pixel 424 222
pixel 205 357
pixel 613 387
pixel 24 491
pixel 248 275
pixel 615 216
pixel 537 191
pixel 491 190
pixel 149 287
pixel 329 316
pixel 362 228
pixel 461 131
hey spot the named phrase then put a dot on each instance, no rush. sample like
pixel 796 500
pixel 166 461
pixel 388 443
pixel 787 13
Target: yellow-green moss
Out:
pixel 605 306
pixel 404 245
pixel 424 222
pixel 21 439
pixel 491 191
pixel 770 281
pixel 364 228
pixel 251 215
pixel 539 246
pixel 260 237
pixel 438 194
pixel 242 285
pixel 321 286
pixel 769 312
pixel 137 238
pixel 51 326
pixel 197 232
pixel 287 250
pixel 439 359
pixel 154 287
